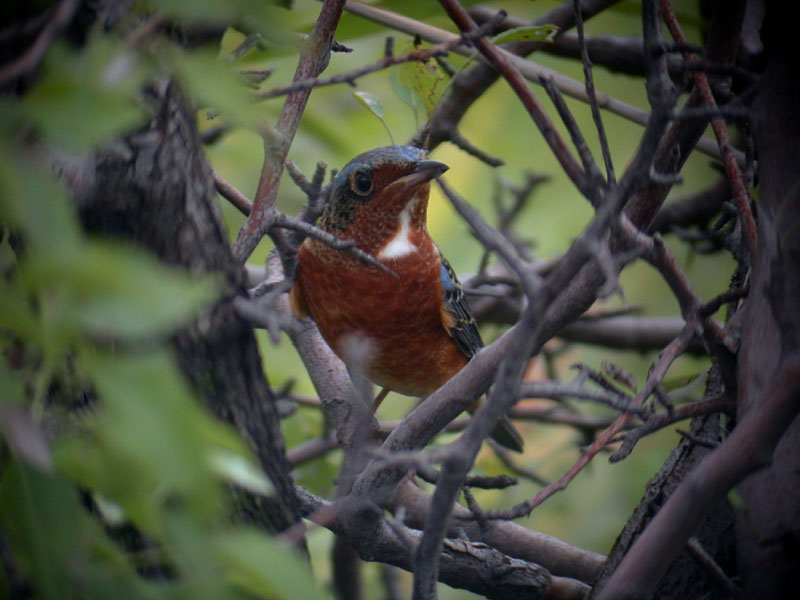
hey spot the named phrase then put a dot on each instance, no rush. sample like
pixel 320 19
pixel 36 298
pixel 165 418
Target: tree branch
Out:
pixel 747 449
pixel 313 60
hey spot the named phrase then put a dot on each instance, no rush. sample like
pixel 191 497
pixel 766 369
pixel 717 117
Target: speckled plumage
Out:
pixel 417 324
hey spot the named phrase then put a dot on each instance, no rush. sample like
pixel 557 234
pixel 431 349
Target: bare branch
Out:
pixel 593 191
pixel 530 70
pixel 748 448
pixel 465 565
pixel 683 135
pixel 234 196
pixel 280 220
pixel 696 550
pixel 587 75
pixel 313 60
pixel 389 60
pixel 659 421
pixel 740 193
pixel 501 61
pixel 33 55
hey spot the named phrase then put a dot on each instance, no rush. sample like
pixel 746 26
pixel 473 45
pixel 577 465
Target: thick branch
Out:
pixel 747 449
pixel 466 565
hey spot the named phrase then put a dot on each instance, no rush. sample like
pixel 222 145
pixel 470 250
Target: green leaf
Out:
pixel 264 567
pixel 35 205
pixel 240 470
pixel 57 545
pixel 149 444
pixel 402 91
pixel 425 79
pixel 675 383
pixel 12 392
pixel 372 102
pixel 214 85
pixel 374 105
pixel 199 10
pixel 16 314
pixel 88 96
pixel 528 33
pixel 108 290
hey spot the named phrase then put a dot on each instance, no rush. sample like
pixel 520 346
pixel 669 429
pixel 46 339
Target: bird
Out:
pixel 412 314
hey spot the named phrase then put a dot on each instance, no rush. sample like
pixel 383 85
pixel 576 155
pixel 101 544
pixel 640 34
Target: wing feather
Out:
pixel 456 314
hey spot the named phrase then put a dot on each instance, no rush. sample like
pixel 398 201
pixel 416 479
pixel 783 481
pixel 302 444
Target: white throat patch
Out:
pixel 400 244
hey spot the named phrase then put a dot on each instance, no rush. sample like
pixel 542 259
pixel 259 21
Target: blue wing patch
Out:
pixel 461 324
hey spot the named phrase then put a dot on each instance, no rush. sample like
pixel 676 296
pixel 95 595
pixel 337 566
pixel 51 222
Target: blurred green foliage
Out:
pixel 87 314
pixel 87 321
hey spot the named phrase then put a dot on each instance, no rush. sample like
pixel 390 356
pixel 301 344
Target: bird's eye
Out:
pixel 362 182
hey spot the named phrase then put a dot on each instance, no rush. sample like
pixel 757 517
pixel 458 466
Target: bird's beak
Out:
pixel 423 171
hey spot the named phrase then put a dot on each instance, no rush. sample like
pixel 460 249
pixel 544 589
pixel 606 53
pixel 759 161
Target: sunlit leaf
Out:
pixel 238 469
pixel 424 78
pixel 408 96
pixel 111 512
pixel 528 33
pixel 372 102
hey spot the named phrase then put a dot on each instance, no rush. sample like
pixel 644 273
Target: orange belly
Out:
pixel 410 351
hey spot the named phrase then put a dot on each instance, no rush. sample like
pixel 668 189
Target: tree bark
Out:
pixel 155 188
pixel 768 528
pixel 685 578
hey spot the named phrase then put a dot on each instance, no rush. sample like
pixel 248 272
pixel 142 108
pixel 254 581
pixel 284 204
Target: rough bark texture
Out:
pixel 769 526
pixel 156 188
pixel 685 578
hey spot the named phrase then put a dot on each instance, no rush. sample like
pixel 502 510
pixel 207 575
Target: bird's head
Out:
pixel 378 192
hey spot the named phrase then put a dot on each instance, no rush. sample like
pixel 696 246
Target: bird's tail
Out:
pixel 506 435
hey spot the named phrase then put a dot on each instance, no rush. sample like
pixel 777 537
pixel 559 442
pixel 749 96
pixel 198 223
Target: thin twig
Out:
pixel 749 447
pixel 313 60
pixel 503 64
pixel 711 566
pixel 492 240
pixel 658 421
pixel 666 358
pixel 546 314
pixel 594 191
pixel 526 472
pixel 33 55
pixel 590 92
pixel 389 60
pixel 234 196
pixel 530 70
pixel 280 220
pixel 740 194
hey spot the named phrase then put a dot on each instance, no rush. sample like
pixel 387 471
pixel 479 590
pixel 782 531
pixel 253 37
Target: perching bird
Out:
pixel 418 327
